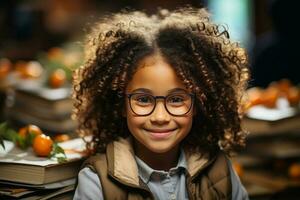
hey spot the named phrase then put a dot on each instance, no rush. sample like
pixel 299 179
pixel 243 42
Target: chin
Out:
pixel 160 148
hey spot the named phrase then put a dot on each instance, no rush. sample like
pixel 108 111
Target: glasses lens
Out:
pixel 142 104
pixel 179 104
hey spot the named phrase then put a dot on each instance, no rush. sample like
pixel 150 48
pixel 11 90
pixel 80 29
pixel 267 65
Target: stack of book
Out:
pixel 50 109
pixel 260 120
pixel 272 154
pixel 23 175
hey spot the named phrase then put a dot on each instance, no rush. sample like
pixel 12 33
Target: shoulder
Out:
pixel 95 162
pixel 89 186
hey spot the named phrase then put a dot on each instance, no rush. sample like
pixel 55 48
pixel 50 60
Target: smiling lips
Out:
pixel 160 133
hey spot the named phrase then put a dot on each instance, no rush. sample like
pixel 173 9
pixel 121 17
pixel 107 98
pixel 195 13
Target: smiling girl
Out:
pixel 160 96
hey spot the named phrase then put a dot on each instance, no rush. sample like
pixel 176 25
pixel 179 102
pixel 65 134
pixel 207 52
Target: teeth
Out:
pixel 160 131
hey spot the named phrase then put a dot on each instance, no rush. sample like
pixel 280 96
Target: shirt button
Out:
pixel 172 196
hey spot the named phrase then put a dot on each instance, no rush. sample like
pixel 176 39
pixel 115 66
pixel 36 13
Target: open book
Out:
pixel 25 167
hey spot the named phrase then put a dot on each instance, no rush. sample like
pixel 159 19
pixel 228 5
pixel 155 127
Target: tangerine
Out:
pixel 294 171
pixel 57 78
pixel 254 96
pixel 238 168
pixel 61 138
pixel 284 86
pixel 270 96
pixel 5 67
pixel 27 70
pixel 26 135
pixel 42 145
pixel 55 53
pixel 33 129
pixel 293 96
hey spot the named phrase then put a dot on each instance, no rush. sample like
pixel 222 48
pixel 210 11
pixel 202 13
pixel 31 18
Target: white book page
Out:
pixel 13 154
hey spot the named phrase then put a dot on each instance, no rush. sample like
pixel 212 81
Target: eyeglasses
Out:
pixel 176 104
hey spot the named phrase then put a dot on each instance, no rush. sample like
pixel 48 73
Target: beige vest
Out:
pixel 207 177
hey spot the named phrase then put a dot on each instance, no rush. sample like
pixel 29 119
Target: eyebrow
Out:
pixel 145 90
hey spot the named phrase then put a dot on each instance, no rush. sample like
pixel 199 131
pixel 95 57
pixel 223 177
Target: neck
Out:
pixel 158 161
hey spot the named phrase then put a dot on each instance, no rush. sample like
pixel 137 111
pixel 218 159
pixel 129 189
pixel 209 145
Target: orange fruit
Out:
pixel 34 69
pixel 42 145
pixel 254 96
pixel 27 70
pixel 294 171
pixel 270 96
pixel 55 53
pixel 5 67
pixel 33 129
pixel 23 132
pixel 238 168
pixel 57 78
pixel 20 68
pixel 293 96
pixel 284 85
pixel 61 138
pixel 27 134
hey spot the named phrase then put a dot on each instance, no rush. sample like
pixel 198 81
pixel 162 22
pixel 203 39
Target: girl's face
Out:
pixel 159 131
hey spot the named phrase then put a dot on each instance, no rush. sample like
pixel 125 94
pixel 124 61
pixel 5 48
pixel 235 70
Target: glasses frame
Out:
pixel 159 97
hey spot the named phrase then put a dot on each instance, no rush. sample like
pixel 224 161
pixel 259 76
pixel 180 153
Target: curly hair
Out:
pixel 202 55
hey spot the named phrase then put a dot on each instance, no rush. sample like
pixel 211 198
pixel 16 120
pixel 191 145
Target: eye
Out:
pixel 142 99
pixel 177 99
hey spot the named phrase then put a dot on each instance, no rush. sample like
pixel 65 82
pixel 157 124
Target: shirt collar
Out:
pixel 145 171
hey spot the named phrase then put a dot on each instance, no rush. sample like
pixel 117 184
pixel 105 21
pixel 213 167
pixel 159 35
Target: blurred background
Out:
pixel 40 45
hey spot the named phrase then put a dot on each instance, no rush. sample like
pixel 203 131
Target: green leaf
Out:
pixel 58 153
pixel 2 142
pixel 30 137
pixel 22 143
pixel 3 126
pixel 61 159
pixel 58 149
pixel 7 133
pixel 11 135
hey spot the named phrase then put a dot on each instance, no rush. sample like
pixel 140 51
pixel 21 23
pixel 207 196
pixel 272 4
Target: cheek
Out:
pixel 185 124
pixel 133 121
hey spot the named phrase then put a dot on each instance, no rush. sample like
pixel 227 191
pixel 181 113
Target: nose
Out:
pixel 160 115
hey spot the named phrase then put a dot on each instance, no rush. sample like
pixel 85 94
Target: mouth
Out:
pixel 160 133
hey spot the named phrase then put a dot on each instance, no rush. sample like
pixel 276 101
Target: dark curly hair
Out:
pixel 203 56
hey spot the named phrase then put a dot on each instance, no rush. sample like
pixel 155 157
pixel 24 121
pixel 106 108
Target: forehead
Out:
pixel 155 74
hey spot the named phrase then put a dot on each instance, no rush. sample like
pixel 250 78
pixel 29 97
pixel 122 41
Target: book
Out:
pixel 45 112
pixel 266 127
pixel 51 125
pixel 16 192
pixel 57 194
pixel 54 185
pixel 24 167
pixel 261 120
pixel 49 101
pixel 47 108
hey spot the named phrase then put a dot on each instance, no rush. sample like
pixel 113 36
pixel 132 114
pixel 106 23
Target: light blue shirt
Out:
pixel 163 185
